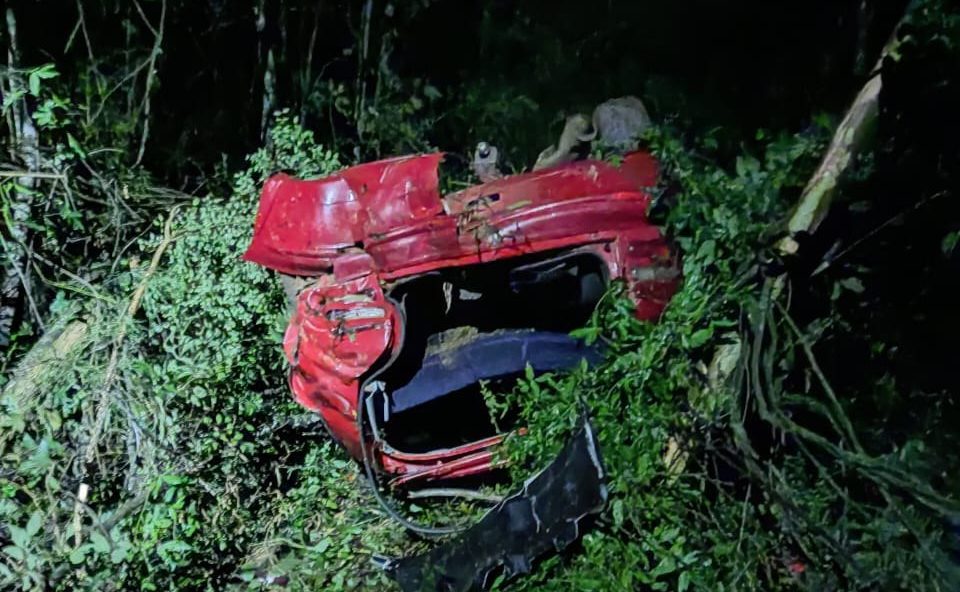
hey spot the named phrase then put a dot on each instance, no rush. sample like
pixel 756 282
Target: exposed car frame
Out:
pixel 382 245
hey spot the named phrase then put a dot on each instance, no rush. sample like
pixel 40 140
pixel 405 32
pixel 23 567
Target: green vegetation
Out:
pixel 789 424
pixel 717 482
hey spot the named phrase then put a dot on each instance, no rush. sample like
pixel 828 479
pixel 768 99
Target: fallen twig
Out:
pixel 32 175
pixel 132 308
pixel 453 492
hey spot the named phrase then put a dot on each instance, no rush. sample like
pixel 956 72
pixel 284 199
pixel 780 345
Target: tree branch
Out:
pixel 851 139
pixel 151 73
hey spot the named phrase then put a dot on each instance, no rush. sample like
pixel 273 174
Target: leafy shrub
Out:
pixel 203 462
pixel 728 468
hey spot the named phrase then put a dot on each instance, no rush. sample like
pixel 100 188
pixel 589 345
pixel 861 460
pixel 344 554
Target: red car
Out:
pixel 417 297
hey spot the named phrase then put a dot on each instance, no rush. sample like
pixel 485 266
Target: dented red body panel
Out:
pixel 369 226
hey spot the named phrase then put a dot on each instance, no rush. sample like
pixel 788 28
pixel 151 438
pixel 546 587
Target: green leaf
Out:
pixel 75 146
pixel 173 479
pixel 118 555
pixel 528 372
pixel 683 582
pixel 19 536
pixel 100 542
pixel 666 566
pixel 431 92
pixel 747 165
pixel 45 72
pixel 34 524
pixel 617 511
pixel 701 336
pixel 12 97
pixel 853 284
pixel 588 334
pixel 323 545
pixel 78 555
pixel 34 83
pixel 15 552
pixel 175 546
pixel 950 242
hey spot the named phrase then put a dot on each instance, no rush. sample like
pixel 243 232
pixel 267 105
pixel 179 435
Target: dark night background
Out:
pixel 734 66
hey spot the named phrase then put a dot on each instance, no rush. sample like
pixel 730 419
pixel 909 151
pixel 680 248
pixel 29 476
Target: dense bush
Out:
pixel 204 470
pixel 732 466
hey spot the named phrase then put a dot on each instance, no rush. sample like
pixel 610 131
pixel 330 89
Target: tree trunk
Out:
pixel 849 141
pixel 265 56
pixel 15 289
pixel 852 137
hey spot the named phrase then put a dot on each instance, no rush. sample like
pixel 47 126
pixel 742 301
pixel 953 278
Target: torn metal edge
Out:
pixel 519 530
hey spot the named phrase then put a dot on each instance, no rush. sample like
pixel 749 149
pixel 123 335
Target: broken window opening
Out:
pixel 482 323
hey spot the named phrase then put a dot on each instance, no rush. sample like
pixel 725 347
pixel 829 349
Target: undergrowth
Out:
pixel 149 441
pixel 203 474
pixel 733 463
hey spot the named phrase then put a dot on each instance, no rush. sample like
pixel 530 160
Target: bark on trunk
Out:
pixel 852 137
pixel 16 285
pixel 849 141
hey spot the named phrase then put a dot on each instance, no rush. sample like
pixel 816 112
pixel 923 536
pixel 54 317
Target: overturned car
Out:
pixel 414 297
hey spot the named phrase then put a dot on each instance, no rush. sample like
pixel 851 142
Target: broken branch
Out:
pixel 469 494
pixel 132 308
pixel 849 142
